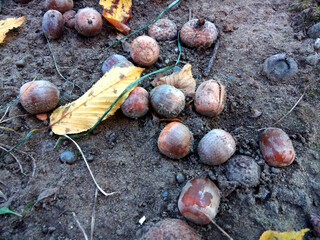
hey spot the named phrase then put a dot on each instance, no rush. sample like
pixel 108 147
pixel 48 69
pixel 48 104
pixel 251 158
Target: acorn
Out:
pixel 167 100
pixel 315 222
pixel 53 24
pixel 163 30
pixel 199 201
pixel 216 147
pixel 69 18
pixel 88 22
pixel 39 96
pixel 198 33
pixel 144 51
pixel 210 98
pixel 276 147
pixel 115 60
pixel 171 229
pixel 137 103
pixel 175 140
pixel 243 169
pixel 59 5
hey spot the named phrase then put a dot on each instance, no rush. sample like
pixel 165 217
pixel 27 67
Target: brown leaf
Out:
pixel 182 80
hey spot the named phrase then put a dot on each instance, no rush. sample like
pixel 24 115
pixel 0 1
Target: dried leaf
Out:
pixel 46 193
pixel 182 80
pixel 8 24
pixel 84 112
pixel 273 235
pixel 117 12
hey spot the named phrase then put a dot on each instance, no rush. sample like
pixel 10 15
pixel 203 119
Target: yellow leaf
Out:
pixel 117 12
pixel 84 112
pixel 8 24
pixel 273 235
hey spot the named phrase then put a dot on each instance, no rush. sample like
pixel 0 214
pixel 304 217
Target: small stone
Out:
pixel 180 178
pixel 67 157
pixel 51 229
pixel 317 44
pixel 228 28
pixel 44 229
pixel 314 31
pixel 313 60
pixel 21 63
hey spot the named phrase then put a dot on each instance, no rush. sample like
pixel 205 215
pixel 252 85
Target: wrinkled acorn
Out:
pixel 115 60
pixel 198 33
pixel 53 24
pixel 39 96
pixel 69 18
pixel 137 103
pixel 276 147
pixel 199 201
pixel 210 98
pixel 167 101
pixel 144 51
pixel 163 30
pixel 216 147
pixel 59 5
pixel 175 140
pixel 171 229
pixel 88 22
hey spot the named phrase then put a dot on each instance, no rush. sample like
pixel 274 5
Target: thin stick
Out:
pixel 85 160
pixel 81 228
pixel 214 53
pixel 291 109
pixel 5 113
pixel 15 158
pixel 221 229
pixel 8 119
pixel 93 216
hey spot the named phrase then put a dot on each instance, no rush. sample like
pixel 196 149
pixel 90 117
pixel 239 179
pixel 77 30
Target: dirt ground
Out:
pixel 123 152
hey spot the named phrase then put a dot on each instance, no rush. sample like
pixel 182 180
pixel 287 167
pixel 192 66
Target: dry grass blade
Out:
pixel 221 229
pixel 85 160
pixel 15 158
pixel 81 228
pixel 93 216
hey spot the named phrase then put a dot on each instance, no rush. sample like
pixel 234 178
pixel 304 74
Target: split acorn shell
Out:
pixel 276 147
pixel 216 147
pixel 175 140
pixel 199 201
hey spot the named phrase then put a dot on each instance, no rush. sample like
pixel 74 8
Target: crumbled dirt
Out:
pixel 123 152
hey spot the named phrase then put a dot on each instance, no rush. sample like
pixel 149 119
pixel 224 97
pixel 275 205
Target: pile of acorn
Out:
pixel 200 198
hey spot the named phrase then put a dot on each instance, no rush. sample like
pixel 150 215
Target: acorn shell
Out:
pixel 199 201
pixel 144 51
pixel 198 32
pixel 39 96
pixel 167 101
pixel 216 147
pixel 276 147
pixel 163 30
pixel 137 103
pixel 210 98
pixel 175 140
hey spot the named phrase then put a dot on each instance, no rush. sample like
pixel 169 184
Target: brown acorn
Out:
pixel 59 5
pixel 88 22
pixel 210 98
pixel 39 96
pixel 175 140
pixel 69 18
pixel 53 24
pixel 115 60
pixel 137 103
pixel 198 33
pixel 144 51
pixel 163 30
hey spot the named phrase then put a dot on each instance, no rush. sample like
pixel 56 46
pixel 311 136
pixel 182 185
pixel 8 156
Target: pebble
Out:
pixel 67 157
pixel 180 178
pixel 314 31
pixel 317 44
pixel 313 60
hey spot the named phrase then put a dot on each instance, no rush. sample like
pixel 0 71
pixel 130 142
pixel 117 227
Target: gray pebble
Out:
pixel 279 67
pixel 317 44
pixel 180 178
pixel 275 170
pixel 313 60
pixel 67 157
pixel 314 31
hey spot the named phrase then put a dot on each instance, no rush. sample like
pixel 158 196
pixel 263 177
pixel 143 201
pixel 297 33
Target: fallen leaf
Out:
pixel 182 80
pixel 84 112
pixel 8 24
pixel 46 193
pixel 117 12
pixel 273 235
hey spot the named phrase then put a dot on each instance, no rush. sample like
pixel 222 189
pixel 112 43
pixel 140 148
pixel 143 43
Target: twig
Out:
pixel 5 113
pixel 93 216
pixel 15 158
pixel 214 53
pixel 81 228
pixel 85 160
pixel 221 229
pixel 8 119
pixel 291 109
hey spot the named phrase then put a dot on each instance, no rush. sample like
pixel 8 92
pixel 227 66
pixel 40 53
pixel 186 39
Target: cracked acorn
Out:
pixel 163 30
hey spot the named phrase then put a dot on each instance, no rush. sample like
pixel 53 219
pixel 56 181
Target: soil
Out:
pixel 123 152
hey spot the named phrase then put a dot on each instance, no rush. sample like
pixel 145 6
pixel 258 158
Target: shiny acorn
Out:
pixel 137 103
pixel 210 98
pixel 216 147
pixel 53 24
pixel 163 30
pixel 167 100
pixel 175 140
pixel 59 5
pixel 144 51
pixel 88 22
pixel 115 60
pixel 39 96
pixel 276 147
pixel 199 201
